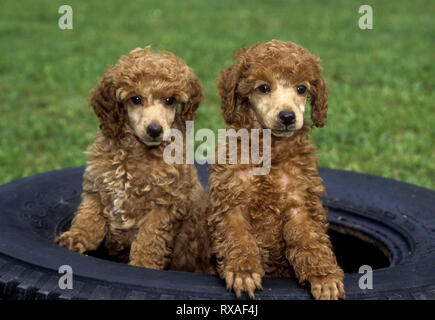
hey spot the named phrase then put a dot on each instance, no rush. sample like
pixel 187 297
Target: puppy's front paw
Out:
pixel 327 288
pixel 137 262
pixel 72 240
pixel 243 281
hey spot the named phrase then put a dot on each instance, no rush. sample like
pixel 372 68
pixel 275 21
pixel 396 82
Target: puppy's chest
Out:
pixel 273 189
pixel 132 189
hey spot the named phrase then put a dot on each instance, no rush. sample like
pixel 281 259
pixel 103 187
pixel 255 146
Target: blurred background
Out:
pixel 382 112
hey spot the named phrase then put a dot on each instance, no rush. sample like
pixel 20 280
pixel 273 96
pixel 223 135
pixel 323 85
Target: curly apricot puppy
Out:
pixel 143 208
pixel 273 224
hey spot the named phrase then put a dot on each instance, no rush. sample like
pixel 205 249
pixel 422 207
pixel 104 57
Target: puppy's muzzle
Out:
pixel 287 117
pixel 154 130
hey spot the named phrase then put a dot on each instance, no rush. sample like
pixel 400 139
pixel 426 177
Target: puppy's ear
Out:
pixel 196 95
pixel 108 110
pixel 228 92
pixel 319 98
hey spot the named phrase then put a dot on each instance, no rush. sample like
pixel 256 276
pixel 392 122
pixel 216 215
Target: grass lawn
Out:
pixel 382 112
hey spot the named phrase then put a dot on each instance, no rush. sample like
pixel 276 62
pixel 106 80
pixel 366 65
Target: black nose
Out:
pixel 154 130
pixel 287 117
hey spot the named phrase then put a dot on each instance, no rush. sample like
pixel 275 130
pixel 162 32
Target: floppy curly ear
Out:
pixel 319 101
pixel 108 110
pixel 228 93
pixel 196 95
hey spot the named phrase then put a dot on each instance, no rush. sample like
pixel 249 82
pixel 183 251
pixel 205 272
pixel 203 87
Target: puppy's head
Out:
pixel 271 81
pixel 147 94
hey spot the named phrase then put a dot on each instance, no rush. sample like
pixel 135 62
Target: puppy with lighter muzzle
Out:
pixel 273 224
pixel 144 211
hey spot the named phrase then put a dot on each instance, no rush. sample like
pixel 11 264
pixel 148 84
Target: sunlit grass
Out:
pixel 381 118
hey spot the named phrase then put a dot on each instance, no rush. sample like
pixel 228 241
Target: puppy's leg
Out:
pixel 153 245
pixel 310 253
pixel 88 227
pixel 237 252
pixel 192 245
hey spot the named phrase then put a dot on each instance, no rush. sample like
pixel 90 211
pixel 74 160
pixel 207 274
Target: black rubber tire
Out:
pixel 398 216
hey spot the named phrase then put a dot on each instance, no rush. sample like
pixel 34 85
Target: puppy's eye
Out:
pixel 137 100
pixel 264 88
pixel 301 89
pixel 170 101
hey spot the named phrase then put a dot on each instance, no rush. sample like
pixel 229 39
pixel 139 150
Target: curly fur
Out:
pixel 147 212
pixel 275 224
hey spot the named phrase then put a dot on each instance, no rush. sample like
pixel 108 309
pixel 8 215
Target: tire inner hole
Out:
pixel 352 249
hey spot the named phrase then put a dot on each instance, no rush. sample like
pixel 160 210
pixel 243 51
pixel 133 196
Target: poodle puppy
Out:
pixel 147 212
pixel 273 224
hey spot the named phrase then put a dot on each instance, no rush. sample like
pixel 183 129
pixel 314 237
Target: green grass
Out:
pixel 382 81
